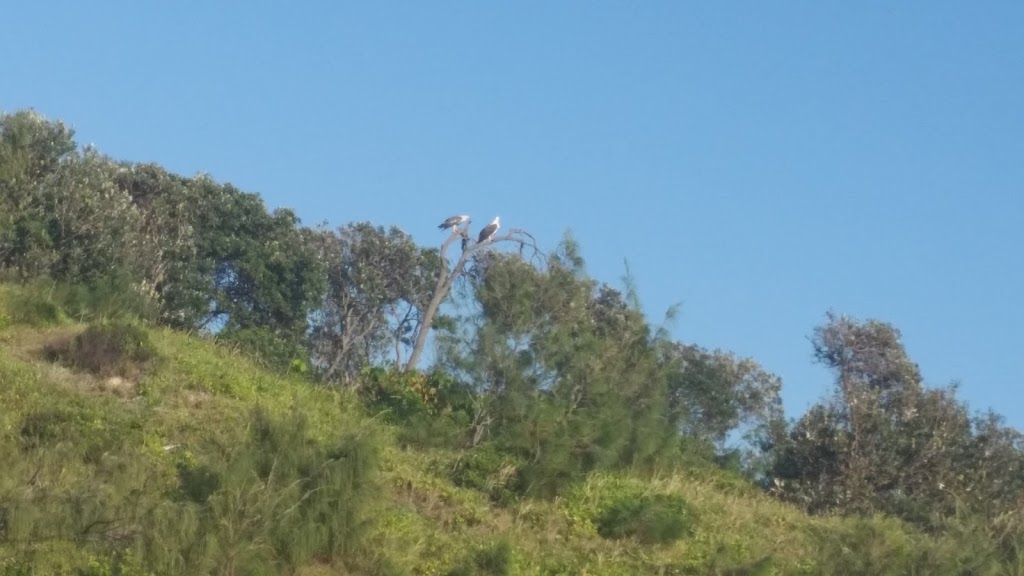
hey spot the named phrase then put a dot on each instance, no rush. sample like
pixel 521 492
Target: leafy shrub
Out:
pixel 433 410
pixel 651 519
pixel 553 457
pixel 881 545
pixel 108 298
pixel 112 349
pixel 616 506
pixel 276 353
pixel 276 502
pixel 398 394
pixel 486 469
pixel 496 560
pixel 197 482
pixel 33 305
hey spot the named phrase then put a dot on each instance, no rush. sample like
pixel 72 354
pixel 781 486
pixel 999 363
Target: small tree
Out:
pixel 713 393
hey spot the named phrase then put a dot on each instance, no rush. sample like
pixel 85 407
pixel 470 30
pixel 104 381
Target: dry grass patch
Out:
pixel 104 360
pixel 106 350
pixel 115 386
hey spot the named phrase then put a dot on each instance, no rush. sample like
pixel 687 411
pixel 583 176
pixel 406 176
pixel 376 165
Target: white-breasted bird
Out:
pixel 489 230
pixel 453 221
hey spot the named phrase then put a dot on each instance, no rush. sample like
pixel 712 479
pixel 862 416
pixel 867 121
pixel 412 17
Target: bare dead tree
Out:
pixel 446 278
pixel 405 318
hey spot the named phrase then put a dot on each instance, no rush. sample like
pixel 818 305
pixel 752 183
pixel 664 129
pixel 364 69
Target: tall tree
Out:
pixel 883 441
pixel 378 285
pixel 566 372
pixel 171 270
pixel 94 226
pixel 32 148
pixel 259 267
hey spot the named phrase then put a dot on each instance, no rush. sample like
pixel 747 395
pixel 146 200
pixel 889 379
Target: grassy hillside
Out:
pixel 147 451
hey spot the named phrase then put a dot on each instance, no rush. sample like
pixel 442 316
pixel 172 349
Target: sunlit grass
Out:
pixel 191 466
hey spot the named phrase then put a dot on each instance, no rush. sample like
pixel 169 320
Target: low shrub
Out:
pixel 650 518
pixel 495 559
pixel 618 507
pixel 881 545
pixel 279 501
pixel 111 349
pixel 32 305
pixel 113 297
pixel 487 470
pixel 276 353
pixel 432 410
pixel 45 302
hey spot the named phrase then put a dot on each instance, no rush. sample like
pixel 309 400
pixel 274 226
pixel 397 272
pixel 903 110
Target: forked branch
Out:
pixel 446 279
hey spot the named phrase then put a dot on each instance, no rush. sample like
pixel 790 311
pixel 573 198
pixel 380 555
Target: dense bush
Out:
pixel 496 559
pixel 108 349
pixel 884 546
pixel 276 352
pixel 30 305
pixel 431 409
pixel 650 518
pixel 279 499
pixel 617 507
pixel 488 470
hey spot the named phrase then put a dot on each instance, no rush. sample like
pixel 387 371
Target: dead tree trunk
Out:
pixel 446 279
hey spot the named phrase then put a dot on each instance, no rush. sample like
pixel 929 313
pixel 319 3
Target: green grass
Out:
pixel 200 462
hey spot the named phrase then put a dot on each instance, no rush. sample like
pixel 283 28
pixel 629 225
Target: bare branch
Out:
pixel 446 279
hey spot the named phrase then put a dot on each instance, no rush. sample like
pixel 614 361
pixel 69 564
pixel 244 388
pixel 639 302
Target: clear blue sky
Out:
pixel 758 162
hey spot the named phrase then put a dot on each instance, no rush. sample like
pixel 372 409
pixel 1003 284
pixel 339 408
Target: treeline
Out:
pixel 539 373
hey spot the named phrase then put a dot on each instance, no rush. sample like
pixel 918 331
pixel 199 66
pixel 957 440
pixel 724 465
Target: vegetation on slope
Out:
pixel 193 384
pixel 205 463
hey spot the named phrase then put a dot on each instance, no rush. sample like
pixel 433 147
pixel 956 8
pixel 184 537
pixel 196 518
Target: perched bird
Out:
pixel 489 230
pixel 453 221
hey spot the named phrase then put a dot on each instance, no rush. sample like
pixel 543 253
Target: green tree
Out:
pixel 259 268
pixel 64 214
pixel 885 443
pixel 171 269
pixel 94 225
pixel 567 375
pixel 713 393
pixel 378 284
pixel 32 148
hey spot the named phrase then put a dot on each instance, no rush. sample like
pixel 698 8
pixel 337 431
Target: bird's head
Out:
pixel 496 218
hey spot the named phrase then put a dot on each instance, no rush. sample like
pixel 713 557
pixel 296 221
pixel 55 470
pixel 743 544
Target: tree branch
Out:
pixel 446 279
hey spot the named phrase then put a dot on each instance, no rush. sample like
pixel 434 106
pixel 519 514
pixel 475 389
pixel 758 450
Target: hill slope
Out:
pixel 132 450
